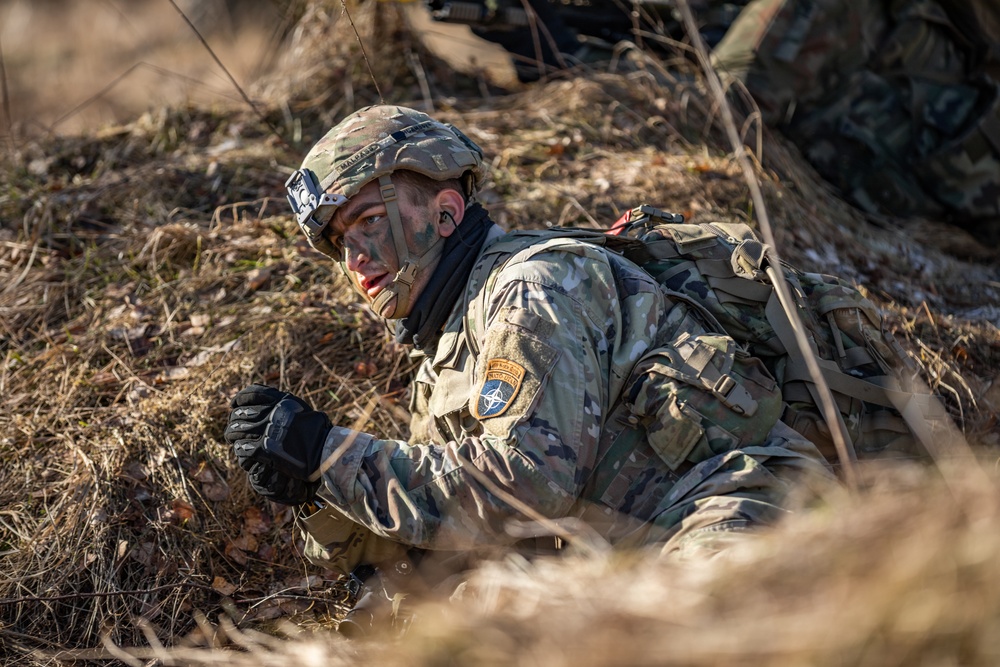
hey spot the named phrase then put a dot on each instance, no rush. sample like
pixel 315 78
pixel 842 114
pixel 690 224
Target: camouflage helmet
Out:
pixel 369 145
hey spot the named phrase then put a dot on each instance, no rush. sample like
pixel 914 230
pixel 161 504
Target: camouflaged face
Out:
pixel 378 140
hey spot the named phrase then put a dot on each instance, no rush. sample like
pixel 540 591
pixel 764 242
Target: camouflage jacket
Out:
pixel 566 379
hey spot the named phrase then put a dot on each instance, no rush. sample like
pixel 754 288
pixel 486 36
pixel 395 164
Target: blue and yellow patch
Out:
pixel 501 383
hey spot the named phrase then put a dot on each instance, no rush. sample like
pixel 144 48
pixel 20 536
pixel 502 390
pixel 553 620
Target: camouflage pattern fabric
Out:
pixel 862 360
pixel 553 389
pixel 337 543
pixel 888 100
pixel 364 146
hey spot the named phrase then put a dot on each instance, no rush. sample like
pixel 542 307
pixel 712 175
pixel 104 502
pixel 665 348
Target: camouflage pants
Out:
pixel 724 497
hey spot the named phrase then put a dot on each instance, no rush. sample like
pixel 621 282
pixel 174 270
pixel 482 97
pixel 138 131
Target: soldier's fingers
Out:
pixel 237 430
pixel 257 394
pixel 246 452
pixel 249 413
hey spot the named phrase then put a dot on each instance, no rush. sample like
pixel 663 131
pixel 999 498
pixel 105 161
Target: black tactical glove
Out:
pixel 278 439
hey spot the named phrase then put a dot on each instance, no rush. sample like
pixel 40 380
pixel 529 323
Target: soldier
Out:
pixel 895 103
pixel 555 372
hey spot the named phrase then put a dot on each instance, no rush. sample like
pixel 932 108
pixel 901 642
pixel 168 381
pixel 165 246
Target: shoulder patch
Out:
pixel 501 383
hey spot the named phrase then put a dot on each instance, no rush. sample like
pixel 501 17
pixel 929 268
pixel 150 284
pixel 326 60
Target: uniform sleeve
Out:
pixel 539 391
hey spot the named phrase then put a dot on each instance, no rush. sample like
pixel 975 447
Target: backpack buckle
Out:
pixel 734 396
pixel 747 259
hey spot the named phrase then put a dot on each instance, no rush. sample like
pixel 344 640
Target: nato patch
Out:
pixel 500 386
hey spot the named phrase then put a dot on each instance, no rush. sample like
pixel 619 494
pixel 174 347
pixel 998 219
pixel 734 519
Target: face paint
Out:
pixel 362 228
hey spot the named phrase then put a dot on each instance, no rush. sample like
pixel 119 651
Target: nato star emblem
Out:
pixel 500 386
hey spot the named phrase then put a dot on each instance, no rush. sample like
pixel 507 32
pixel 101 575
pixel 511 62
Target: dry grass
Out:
pixel 149 271
pixel 74 66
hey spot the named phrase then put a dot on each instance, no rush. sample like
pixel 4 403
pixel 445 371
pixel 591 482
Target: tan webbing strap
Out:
pixel 858 356
pixel 399 288
pixel 837 341
pixel 917 410
pixel 883 420
pixel 699 372
pixel 749 291
pixel 869 390
pixel 677 269
pixel 782 326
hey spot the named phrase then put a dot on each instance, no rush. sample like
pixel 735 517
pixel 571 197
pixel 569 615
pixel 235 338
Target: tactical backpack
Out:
pixel 720 271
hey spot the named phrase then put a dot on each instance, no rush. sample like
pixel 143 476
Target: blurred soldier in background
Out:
pixel 536 353
pixel 894 102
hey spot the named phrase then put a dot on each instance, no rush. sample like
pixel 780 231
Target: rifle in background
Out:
pixel 556 34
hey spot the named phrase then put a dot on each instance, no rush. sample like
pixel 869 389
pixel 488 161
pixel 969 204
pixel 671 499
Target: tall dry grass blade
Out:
pixel 828 407
pixel 246 98
pixel 5 95
pixel 364 51
pixel 946 441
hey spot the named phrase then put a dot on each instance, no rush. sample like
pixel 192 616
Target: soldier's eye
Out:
pixel 369 220
pixel 336 240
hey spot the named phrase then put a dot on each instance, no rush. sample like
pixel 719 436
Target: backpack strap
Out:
pixel 917 410
pixel 780 321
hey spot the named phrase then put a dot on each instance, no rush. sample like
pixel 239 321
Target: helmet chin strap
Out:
pixel 409 265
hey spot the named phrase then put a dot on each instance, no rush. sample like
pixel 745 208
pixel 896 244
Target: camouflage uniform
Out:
pixel 890 100
pixel 568 379
pixel 563 377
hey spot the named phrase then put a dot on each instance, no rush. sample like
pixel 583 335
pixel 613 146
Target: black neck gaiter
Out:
pixel 421 327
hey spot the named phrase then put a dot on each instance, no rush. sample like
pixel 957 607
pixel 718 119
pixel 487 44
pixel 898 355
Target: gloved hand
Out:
pixel 278 439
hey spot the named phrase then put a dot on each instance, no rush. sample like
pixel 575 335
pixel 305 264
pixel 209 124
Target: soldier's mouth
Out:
pixel 373 285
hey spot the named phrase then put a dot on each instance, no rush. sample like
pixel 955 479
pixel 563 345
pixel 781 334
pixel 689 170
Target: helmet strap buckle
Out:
pixel 407 273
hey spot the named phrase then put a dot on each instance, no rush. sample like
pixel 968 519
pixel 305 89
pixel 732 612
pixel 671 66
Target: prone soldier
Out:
pixel 556 375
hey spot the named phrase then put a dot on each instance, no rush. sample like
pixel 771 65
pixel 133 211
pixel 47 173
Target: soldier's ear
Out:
pixel 450 205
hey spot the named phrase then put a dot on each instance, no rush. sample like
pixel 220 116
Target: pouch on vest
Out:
pixel 701 396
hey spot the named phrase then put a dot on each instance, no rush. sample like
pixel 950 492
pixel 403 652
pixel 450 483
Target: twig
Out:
pixel 929 316
pixel 145 591
pixel 413 60
pixel 102 594
pixel 8 119
pixel 364 54
pixel 27 268
pixel 246 98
